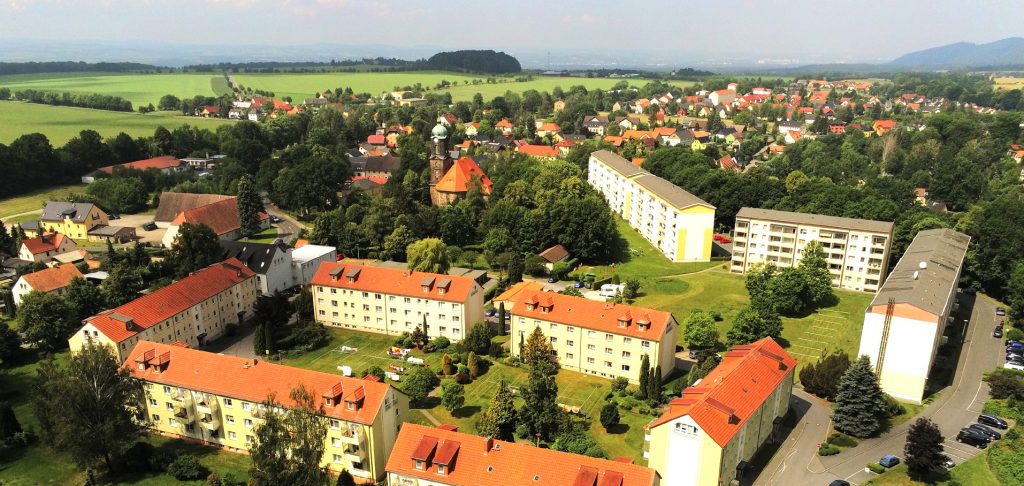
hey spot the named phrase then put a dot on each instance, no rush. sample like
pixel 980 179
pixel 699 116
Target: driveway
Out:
pixel 136 221
pixel 956 406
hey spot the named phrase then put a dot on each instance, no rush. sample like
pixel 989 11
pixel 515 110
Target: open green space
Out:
pixel 266 236
pixel 140 89
pixel 33 201
pixel 643 261
pixel 973 472
pixel 544 83
pixel 61 123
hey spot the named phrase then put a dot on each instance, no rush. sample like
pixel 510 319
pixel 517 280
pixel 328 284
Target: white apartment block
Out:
pixel 393 301
pixel 677 223
pixel 857 250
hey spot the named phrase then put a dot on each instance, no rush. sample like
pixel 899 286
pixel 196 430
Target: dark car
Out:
pixel 998 332
pixel 577 284
pixel 113 216
pixel 492 313
pixel 552 279
pixel 839 482
pixel 988 431
pixel 889 460
pixel 1000 311
pixel 973 437
pixel 694 353
pixel 150 226
pixel 992 421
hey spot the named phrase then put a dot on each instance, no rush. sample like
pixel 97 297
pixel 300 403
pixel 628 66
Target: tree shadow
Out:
pixel 618 429
pixel 427 403
pixel 782 342
pixel 467 411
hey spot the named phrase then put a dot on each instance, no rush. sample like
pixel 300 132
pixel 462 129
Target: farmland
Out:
pixel 1008 83
pixel 140 89
pixel 61 123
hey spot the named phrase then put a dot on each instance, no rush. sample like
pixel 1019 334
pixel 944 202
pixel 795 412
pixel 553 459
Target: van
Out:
pixel 972 437
pixel 609 290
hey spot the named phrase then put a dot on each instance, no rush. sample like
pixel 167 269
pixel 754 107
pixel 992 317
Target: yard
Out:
pixel 268 235
pixel 643 260
pixel 33 201
pixel 974 472
pixel 140 89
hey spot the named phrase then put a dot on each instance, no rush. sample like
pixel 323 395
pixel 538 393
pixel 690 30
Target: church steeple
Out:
pixel 440 160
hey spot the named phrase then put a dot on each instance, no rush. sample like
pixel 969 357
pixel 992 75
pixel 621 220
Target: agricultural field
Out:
pixel 545 83
pixel 61 123
pixel 140 89
pixel 1008 83
pixel 32 203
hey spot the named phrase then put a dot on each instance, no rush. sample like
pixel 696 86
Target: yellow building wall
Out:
pixel 79 231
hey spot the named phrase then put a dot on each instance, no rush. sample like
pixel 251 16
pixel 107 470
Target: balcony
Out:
pixel 207 405
pixel 354 455
pixel 210 422
pixel 357 438
pixel 183 415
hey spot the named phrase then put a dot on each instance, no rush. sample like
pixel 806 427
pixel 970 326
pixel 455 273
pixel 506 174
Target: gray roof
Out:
pixel 617 163
pixel 837 222
pixel 58 210
pixel 257 256
pixel 928 273
pixel 664 189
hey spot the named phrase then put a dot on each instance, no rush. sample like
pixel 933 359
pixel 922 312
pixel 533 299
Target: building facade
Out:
pixel 427 456
pixel 857 250
pixel 677 223
pixel 709 435
pixel 307 258
pixel 905 322
pixel 597 338
pixel 272 263
pixel 74 220
pixel 393 301
pixel 220 400
pixel 193 310
pixel 44 247
pixel 54 279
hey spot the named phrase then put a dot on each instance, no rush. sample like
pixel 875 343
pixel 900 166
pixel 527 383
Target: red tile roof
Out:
pixel 376 140
pixel 539 151
pixel 393 281
pixel 171 300
pixel 252 380
pixel 549 127
pixel 460 174
pixel 163 162
pixel 52 278
pixel 44 243
pixel 727 162
pixel 723 401
pixel 220 216
pixel 471 463
pixel 504 123
pixel 592 314
pixel 554 254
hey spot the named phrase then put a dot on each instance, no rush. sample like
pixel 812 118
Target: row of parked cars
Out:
pixel 1014 355
pixel 983 432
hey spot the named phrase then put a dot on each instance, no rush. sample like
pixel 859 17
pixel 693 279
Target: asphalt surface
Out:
pixel 288 228
pixel 956 406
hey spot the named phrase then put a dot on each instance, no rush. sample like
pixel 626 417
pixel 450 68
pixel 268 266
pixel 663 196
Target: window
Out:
pixel 152 403
pixel 156 418
pixel 591 347
pixel 419 465
pixel 608 337
pixel 625 367
pixel 570 329
pixel 569 342
pixel 336 442
pixel 645 344
pixel 554 340
pixel 626 341
pixel 248 423
pixel 590 360
pixel 249 439
pixel 232 436
pixel 607 364
pixel 230 418
pixel 626 354
pixel 335 424
pixel 167 390
pixel 169 406
pixel 591 334
pixel 228 402
pixel 568 355
pixel 172 422
pixel 440 469
pixel 337 458
pixel 607 350
pixel 246 406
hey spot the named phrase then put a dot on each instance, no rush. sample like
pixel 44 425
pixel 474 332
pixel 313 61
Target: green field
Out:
pixel 973 472
pixel 140 89
pixel 34 200
pixel 61 123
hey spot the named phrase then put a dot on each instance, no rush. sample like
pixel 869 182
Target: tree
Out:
pixel 376 371
pixel 537 350
pixel 7 246
pixel 609 415
pixel 187 467
pixel 473 363
pixel 10 343
pixel 632 289
pixel 823 378
pixel 250 205
pixel 499 421
pixel 397 243
pixel 9 424
pixel 654 384
pixel 578 441
pixel 758 278
pixel 289 444
pixel 345 479
pixel 479 338
pixel 645 377
pixel 102 423
pixel 195 247
pixel 419 334
pixel 120 194
pixel 516 267
pixel 259 339
pixel 860 406
pixel 428 255
pixel 815 269
pixel 446 365
pixel 700 330
pixel 85 298
pixel 46 320
pixel 701 369
pixel 751 325
pixel 418 383
pixel 923 452
pixel 789 291
pixel 453 395
pixel 122 285
pixel 540 412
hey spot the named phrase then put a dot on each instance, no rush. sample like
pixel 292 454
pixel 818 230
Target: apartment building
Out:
pixel 709 435
pixel 677 223
pixel 905 322
pixel 75 220
pixel 442 456
pixel 219 399
pixel 192 311
pixel 857 250
pixel 597 338
pixel 394 300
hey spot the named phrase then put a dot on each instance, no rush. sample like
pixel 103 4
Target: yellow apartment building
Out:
pixel 393 301
pixel 193 311
pixel 597 338
pixel 74 220
pixel 677 223
pixel 218 399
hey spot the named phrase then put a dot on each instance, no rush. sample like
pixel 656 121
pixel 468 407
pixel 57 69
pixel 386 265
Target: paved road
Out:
pixel 288 229
pixel 956 406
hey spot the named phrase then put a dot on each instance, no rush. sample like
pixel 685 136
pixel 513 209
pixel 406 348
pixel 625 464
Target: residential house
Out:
pixel 627 122
pixel 727 162
pixel 220 216
pixel 553 255
pixel 271 262
pixel 548 129
pixel 881 127
pixel 559 105
pixel 53 279
pixel 596 124
pixel 45 246
pixel 504 126
pixel 541 151
pixel 164 163
pixel 74 220
pixel 380 166
pixel 722 97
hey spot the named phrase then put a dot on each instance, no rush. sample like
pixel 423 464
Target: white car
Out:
pixel 1013 366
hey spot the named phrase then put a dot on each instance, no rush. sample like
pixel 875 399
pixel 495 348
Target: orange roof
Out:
pixel 460 174
pixel 639 161
pixel 394 281
pixel 700 134
pixel 162 162
pixel 639 134
pixel 220 216
pixel 727 162
pixel 52 278
pixel 592 314
pixel 512 293
pixel 163 303
pixel 44 243
pixel 883 124
pixel 471 461
pixel 723 401
pixel 774 148
pixel 549 127
pixel 252 380
pixel 538 151
pixel 376 139
pixel 614 140
pixel 504 123
pixel 664 131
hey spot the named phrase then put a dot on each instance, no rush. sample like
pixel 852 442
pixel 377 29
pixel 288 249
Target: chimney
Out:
pixel 488 444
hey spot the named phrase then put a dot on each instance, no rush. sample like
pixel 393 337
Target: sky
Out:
pixel 837 30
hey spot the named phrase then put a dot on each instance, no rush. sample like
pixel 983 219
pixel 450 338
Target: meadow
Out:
pixel 1008 83
pixel 61 123
pixel 140 89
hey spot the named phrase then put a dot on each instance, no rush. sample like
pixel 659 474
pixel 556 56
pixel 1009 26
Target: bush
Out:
pixel 840 439
pixel 1015 335
pixel 1005 384
pixel 619 384
pixel 828 450
pixel 609 415
pixel 876 468
pixel 186 467
pixel 160 460
pixel 523 431
pixel 893 408
pixel 138 457
pixel 214 480
pixel 441 343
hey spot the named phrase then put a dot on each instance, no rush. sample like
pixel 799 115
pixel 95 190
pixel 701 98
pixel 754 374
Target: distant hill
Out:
pixel 478 61
pixel 1009 51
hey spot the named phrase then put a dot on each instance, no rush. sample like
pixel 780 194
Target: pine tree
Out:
pixel 923 451
pixel 259 341
pixel 249 206
pixel 499 421
pixel 540 412
pixel 654 384
pixel 111 254
pixel 645 377
pixel 516 266
pixel 860 406
pixel 9 424
pixel 807 374
pixel 419 334
pixel 6 241
pixel 501 318
pixel 270 342
pixel 538 349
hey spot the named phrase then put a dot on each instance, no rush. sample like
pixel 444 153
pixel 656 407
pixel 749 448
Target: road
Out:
pixel 288 229
pixel 957 405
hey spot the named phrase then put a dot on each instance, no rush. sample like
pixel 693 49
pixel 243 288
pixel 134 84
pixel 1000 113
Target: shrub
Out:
pixel 523 431
pixel 609 415
pixel 828 450
pixel 186 467
pixel 441 343
pixel 619 383
pixel 876 468
pixel 1015 335
pixel 840 439
pixel 893 408
pixel 214 480
pixel 138 457
pixel 160 460
pixel 1005 384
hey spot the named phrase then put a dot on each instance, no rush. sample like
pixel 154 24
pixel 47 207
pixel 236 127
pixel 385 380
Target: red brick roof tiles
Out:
pixel 591 314
pixel 163 162
pixel 460 174
pixel 392 281
pixel 52 278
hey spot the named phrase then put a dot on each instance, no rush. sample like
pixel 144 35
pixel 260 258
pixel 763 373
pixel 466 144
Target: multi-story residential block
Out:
pixel 193 310
pixel 393 300
pixel 597 338
pixel 272 263
pixel 677 223
pixel 219 399
pixel 857 250
pixel 905 322
pixel 53 279
pixel 709 435
pixel 426 456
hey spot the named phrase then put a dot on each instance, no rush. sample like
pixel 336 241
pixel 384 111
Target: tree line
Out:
pixel 81 100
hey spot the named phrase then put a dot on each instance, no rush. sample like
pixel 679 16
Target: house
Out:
pixel 271 262
pixel 722 96
pixel 376 139
pixel 217 399
pixel 627 122
pixel 905 322
pixel 596 338
pixel 164 163
pixel 559 105
pixel 504 126
pixel 114 234
pixel 548 129
pixel 553 255
pixel 709 435
pixel 836 127
pixel 728 163
pixel 471 129
pixel 921 196
pixel 210 111
pixel 53 279
pixel 381 166
pixel 75 257
pixel 596 124
pixel 193 310
pixel 220 216
pixel 307 258
pixel 881 127
pixel 45 246
pixel 428 456
pixel 174 203
pixel 395 300
pixel 74 220
pixel 541 151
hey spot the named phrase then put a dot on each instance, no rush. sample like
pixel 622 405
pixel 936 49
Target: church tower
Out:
pixel 440 161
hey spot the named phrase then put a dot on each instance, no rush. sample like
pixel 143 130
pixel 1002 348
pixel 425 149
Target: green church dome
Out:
pixel 439 131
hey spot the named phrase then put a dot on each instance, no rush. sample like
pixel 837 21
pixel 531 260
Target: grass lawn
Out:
pixel 61 123
pixel 140 89
pixel 643 261
pixel 266 236
pixel 544 83
pixel 34 200
pixel 372 351
pixel 973 472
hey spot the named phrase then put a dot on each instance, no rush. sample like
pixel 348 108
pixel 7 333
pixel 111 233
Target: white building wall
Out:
pixel 683 469
pixel 910 348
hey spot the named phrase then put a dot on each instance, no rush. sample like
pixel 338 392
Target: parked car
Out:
pixel 553 279
pixel 1014 365
pixel 1000 311
pixel 722 239
pixel 274 219
pixel 839 482
pixel 988 431
pixel 113 216
pixel 992 421
pixel 972 437
pixel 492 313
pixel 150 226
pixel 889 460
pixel 998 332
pixel 577 284
pixel 947 462
pixel 693 353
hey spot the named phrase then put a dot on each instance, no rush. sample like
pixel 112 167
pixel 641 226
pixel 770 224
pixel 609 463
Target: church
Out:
pixel 450 180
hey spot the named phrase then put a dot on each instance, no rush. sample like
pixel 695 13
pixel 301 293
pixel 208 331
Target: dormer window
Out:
pixel 351 406
pixel 419 465
pixel 441 469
